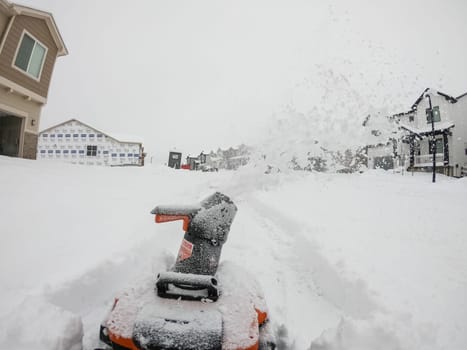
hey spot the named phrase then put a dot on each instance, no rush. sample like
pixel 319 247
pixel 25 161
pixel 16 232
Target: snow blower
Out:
pixel 199 304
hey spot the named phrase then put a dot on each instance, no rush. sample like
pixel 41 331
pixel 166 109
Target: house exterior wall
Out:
pixel 459 137
pixel 30 145
pixel 450 112
pixel 446 108
pixel 68 142
pixel 4 19
pixel 37 28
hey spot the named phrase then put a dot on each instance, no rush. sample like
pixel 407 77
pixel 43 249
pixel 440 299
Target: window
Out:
pixel 30 56
pixel 439 146
pixel 436 114
pixel 411 118
pixel 91 151
pixel 45 135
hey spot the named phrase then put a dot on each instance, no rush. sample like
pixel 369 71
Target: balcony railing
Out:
pixel 427 159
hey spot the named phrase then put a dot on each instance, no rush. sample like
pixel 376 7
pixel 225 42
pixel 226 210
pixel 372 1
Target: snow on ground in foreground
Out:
pixel 365 261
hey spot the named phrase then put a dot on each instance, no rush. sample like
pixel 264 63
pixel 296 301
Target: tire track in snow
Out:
pixel 314 296
pixel 270 252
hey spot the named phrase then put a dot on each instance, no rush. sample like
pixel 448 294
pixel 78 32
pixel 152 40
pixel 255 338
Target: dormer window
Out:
pixel 30 56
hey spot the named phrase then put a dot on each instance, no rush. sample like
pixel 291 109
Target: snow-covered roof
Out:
pixel 116 137
pixel 126 138
pixel 427 129
pixel 240 157
pixel 432 92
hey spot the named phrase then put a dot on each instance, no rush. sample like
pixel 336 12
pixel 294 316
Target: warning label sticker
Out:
pixel 186 250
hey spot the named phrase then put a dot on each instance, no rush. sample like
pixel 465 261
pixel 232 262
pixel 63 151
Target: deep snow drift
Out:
pixel 363 261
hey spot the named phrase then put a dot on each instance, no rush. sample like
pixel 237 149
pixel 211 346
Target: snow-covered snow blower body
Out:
pixel 199 303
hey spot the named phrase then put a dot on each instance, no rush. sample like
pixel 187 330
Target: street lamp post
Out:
pixel 433 139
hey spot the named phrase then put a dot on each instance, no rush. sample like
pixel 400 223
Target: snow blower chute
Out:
pixel 199 303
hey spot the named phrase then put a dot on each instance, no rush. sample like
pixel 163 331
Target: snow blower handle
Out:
pixel 166 213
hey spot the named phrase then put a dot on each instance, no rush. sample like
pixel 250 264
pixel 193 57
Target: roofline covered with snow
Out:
pixel 421 133
pixel 420 98
pixel 89 126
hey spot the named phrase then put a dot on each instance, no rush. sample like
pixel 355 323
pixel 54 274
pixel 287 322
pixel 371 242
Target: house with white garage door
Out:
pixel 76 142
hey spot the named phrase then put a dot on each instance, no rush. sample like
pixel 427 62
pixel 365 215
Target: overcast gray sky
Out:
pixel 200 74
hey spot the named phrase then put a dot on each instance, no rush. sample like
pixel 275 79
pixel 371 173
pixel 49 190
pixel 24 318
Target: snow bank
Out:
pixel 37 324
pixel 380 333
pixel 355 335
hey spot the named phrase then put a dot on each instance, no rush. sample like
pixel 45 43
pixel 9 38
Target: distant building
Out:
pixel 29 45
pixel 175 160
pixel 230 159
pixel 193 162
pixel 76 142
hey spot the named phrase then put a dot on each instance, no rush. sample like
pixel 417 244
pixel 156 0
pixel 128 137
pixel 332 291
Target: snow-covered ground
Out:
pixel 365 261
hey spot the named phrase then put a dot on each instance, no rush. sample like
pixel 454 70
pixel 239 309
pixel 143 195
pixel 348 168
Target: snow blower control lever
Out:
pixel 206 227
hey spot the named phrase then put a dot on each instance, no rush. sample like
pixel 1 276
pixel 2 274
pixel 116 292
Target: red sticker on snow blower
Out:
pixel 186 250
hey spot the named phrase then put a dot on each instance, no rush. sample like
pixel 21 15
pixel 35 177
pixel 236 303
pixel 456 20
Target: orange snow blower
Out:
pixel 199 303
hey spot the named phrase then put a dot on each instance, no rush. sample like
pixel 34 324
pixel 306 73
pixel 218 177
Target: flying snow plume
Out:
pixel 322 128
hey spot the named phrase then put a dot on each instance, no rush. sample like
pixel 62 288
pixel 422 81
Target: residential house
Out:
pixel 78 143
pixel 449 130
pixel 29 45
pixel 411 147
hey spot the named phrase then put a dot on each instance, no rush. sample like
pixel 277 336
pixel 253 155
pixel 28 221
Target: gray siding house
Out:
pixel 29 45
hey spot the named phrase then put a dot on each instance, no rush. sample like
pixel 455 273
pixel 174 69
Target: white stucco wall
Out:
pixel 69 142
